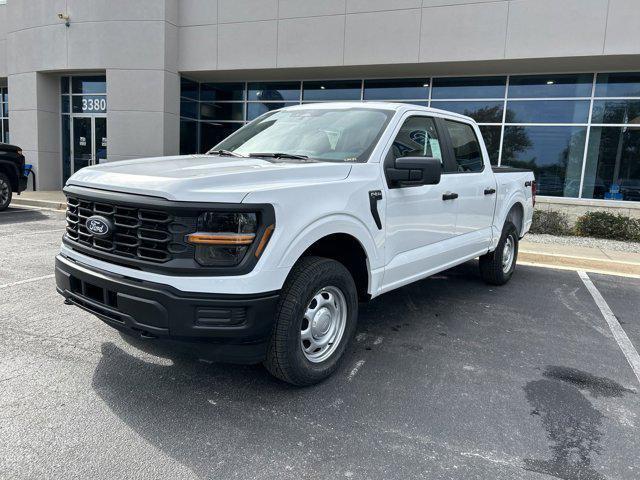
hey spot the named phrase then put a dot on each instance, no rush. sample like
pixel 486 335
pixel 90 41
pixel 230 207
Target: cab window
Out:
pixel 417 137
pixel 466 148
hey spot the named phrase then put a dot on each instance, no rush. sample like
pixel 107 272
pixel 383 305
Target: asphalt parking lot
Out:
pixel 447 379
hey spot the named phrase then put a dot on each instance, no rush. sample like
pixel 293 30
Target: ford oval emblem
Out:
pixel 99 226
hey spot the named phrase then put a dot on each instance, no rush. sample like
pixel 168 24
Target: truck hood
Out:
pixel 205 178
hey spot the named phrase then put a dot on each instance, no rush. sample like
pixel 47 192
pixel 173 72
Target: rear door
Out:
pixel 474 183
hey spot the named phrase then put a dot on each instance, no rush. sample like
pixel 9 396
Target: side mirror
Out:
pixel 414 171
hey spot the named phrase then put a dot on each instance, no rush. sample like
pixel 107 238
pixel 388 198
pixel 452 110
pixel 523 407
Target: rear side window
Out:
pixel 417 137
pixel 466 148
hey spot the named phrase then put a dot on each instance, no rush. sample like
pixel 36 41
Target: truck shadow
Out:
pixel 19 215
pixel 219 419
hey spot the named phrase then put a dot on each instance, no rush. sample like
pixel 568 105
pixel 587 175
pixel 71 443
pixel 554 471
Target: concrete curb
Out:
pixel 29 202
pixel 582 263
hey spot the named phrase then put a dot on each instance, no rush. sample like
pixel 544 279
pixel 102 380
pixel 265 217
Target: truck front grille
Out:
pixel 139 233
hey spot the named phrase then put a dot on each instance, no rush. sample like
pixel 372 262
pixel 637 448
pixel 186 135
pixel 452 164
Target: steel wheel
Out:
pixel 323 324
pixel 507 254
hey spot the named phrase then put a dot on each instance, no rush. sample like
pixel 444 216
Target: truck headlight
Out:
pixel 222 239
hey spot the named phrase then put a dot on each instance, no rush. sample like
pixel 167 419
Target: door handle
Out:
pixel 489 191
pixel 449 196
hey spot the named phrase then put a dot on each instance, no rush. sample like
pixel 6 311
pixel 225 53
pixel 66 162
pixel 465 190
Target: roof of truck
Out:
pixel 397 106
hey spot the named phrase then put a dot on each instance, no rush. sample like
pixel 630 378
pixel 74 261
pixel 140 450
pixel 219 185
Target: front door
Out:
pixel 89 141
pixel 420 223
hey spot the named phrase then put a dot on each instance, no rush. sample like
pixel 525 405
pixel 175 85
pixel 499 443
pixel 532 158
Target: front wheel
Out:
pixel 315 321
pixel 497 267
pixel 5 191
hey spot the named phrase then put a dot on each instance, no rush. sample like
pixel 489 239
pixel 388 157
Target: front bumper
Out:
pixel 218 327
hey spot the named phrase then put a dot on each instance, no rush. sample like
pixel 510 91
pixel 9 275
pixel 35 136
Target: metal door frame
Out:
pixel 93 138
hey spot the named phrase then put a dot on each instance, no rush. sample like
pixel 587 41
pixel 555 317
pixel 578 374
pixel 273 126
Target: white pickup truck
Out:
pixel 261 249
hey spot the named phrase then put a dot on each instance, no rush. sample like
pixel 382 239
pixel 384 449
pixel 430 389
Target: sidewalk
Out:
pixel 45 199
pixel 592 259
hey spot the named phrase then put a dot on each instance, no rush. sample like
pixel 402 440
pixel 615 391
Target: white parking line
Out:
pixel 618 332
pixel 37 232
pixel 21 210
pixel 28 280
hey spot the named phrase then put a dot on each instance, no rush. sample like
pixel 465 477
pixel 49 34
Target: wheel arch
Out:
pixel 343 239
pixel 11 171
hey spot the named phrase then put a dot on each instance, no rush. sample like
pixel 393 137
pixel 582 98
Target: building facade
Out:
pixel 554 84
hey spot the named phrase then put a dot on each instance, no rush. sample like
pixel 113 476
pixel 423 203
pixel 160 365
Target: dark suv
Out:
pixel 12 173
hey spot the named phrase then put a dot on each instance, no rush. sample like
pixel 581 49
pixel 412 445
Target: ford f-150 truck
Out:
pixel 261 249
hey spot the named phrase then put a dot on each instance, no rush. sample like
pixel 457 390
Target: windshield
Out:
pixel 335 135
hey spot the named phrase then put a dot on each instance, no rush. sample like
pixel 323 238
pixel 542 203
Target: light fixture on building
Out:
pixel 550 82
pixel 322 87
pixel 65 17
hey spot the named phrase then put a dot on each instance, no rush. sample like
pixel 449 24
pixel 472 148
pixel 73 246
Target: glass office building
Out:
pixel 580 133
pixel 554 85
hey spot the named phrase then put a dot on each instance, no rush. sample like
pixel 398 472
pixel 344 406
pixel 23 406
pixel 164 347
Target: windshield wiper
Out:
pixel 225 153
pixel 279 155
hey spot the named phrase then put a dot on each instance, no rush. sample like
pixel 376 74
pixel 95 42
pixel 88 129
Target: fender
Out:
pixel 329 225
pixel 337 224
pixel 501 216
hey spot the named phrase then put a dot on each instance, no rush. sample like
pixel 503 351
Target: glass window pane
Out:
pixel 188 108
pixel 222 111
pixel 93 84
pixel 553 153
pixel 415 102
pixel 491 136
pixel 188 137
pixel 618 85
pixel 213 133
pixel 396 89
pixel 64 104
pixel 221 91
pixel 466 148
pixel 541 86
pixel 547 111
pixel 274 91
pixel 332 90
pixel 5 128
pixel 469 87
pixel 255 109
pixel 64 85
pixel 417 137
pixel 482 112
pixel 616 111
pixel 613 170
pixel 188 88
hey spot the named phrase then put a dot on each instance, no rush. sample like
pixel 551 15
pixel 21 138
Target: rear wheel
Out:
pixel 5 191
pixel 315 320
pixel 497 267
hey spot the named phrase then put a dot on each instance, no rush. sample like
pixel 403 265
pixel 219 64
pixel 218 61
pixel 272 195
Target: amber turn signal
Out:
pixel 264 240
pixel 230 239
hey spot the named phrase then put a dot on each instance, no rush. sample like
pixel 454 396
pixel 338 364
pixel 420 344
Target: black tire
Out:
pixel 492 269
pixel 286 359
pixel 6 192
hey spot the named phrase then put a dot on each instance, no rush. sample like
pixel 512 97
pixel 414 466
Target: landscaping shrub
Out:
pixel 608 225
pixel 550 222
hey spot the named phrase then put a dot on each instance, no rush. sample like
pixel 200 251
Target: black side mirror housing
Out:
pixel 414 171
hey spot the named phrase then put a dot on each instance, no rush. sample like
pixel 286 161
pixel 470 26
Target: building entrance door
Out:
pixel 88 141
